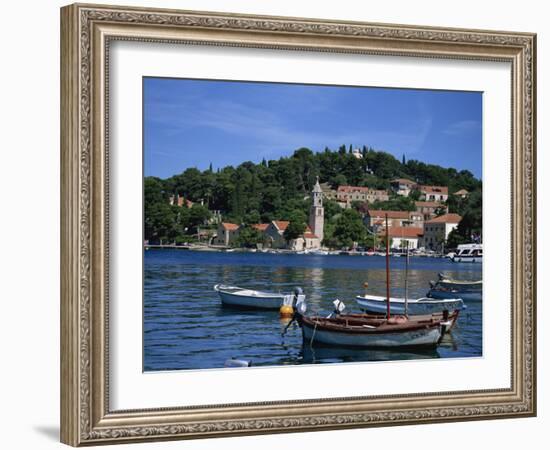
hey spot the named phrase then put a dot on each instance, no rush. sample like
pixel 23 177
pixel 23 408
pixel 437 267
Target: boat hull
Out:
pixel 466 296
pixel 428 337
pixel 467 259
pixel 415 307
pixel 229 299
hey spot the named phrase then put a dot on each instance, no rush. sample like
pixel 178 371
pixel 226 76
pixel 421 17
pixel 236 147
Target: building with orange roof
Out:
pixel 462 193
pixel 345 195
pixel 436 231
pixel 376 218
pixel 402 186
pixel 403 237
pixel 260 226
pixel 433 193
pixel 177 200
pixel 428 209
pixel 227 233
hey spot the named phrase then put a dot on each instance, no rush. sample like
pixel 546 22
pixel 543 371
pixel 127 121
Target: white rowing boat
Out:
pixel 249 298
pixel 378 305
pixel 447 288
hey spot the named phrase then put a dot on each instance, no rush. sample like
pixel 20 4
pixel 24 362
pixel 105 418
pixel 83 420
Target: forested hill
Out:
pixel 276 189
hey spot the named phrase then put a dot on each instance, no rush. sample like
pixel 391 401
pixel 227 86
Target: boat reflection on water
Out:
pixel 327 354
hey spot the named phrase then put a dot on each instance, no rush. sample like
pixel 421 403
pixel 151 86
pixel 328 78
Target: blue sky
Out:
pixel 192 123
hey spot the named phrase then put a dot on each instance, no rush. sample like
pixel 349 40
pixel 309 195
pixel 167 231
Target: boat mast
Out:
pixel 387 269
pixel 407 282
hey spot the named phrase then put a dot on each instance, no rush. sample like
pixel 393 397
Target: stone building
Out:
pixel 436 231
pixel 227 234
pixel 345 195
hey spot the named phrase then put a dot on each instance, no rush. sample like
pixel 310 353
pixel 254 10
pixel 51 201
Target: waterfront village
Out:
pixel 357 220
pixel 415 229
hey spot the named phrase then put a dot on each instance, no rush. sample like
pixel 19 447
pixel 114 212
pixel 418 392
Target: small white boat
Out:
pixel 446 288
pixel 249 298
pixel 319 252
pixel 470 253
pixel 419 306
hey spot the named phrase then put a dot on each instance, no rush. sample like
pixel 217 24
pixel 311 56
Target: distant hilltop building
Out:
pixel 357 153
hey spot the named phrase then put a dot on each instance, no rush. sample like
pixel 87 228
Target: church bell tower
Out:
pixel 317 212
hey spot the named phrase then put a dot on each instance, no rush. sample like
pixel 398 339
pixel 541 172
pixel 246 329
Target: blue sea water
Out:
pixel 186 327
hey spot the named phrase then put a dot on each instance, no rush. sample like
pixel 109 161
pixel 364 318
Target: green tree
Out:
pixel 198 215
pixel 415 194
pixel 248 237
pixel 349 228
pixel 294 230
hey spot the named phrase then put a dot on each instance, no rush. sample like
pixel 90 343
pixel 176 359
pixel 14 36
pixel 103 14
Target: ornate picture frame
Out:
pixel 86 34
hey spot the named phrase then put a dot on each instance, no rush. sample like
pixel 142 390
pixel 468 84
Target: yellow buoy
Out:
pixel 286 311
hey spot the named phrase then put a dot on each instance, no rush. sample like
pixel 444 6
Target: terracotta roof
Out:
pixel 434 189
pixel 429 204
pixel 391 214
pixel 260 226
pixel 353 189
pixel 446 218
pixel 405 232
pixel 461 192
pixel 310 235
pixel 230 226
pixel 281 224
pixel 403 181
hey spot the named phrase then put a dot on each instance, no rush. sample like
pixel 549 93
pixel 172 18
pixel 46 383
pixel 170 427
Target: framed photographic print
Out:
pixel 268 221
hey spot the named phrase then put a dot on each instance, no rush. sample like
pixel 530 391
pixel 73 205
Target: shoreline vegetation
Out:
pixel 186 210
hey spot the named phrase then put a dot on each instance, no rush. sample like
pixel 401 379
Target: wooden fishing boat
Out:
pixel 249 298
pixel 348 330
pixel 424 305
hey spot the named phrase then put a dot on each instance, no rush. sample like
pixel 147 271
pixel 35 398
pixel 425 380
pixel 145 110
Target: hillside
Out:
pixel 278 189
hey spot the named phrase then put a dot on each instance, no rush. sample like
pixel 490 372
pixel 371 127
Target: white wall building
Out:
pixel 436 231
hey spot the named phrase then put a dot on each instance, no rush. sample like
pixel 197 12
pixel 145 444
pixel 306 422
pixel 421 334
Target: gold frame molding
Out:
pixel 86 31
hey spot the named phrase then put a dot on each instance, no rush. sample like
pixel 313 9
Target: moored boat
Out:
pixel 471 253
pixel 378 305
pixel 249 298
pixel 447 288
pixel 351 330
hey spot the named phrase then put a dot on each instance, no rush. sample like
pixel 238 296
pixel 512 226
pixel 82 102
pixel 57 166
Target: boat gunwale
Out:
pixel 399 300
pixel 320 323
